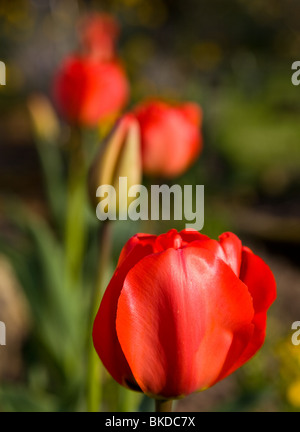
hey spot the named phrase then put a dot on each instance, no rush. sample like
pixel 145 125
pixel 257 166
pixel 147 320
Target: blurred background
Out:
pixel 233 58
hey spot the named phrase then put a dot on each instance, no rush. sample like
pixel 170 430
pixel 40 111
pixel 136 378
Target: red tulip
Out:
pixel 88 91
pixel 171 138
pixel 182 312
pixel 98 33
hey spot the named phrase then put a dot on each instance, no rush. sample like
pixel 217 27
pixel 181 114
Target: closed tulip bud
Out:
pixel 170 135
pixel 98 33
pixel 182 312
pixel 118 158
pixel 88 91
pixel 43 117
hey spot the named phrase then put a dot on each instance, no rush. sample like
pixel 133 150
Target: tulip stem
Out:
pixel 76 205
pixel 94 389
pixel 164 405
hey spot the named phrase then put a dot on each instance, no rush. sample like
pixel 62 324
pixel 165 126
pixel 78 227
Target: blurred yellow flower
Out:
pixel 289 358
pixel 293 393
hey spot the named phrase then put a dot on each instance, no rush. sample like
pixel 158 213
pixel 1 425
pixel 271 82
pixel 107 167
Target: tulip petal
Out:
pixel 104 331
pixel 138 239
pixel 228 248
pixel 171 239
pixel 258 277
pixel 261 284
pixel 193 112
pixel 190 235
pixel 232 247
pixel 171 139
pixel 177 313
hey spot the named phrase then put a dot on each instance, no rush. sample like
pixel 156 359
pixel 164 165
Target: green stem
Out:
pixel 52 166
pixel 163 405
pixel 94 385
pixel 75 234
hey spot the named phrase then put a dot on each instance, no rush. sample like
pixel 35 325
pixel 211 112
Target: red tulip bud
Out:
pixel 171 137
pixel 88 91
pixel 98 34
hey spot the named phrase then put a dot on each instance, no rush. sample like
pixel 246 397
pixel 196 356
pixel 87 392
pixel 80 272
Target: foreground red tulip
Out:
pixel 88 91
pixel 98 33
pixel 171 138
pixel 182 312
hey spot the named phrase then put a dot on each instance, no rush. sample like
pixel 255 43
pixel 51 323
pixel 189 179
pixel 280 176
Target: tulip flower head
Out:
pixel 98 34
pixel 91 86
pixel 182 312
pixel 171 137
pixel 88 91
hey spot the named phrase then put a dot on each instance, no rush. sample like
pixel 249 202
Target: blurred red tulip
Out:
pixel 182 312
pixel 171 137
pixel 98 33
pixel 88 91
